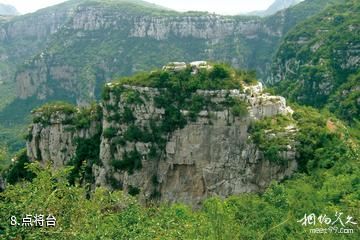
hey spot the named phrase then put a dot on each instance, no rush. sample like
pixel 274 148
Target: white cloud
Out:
pixel 218 6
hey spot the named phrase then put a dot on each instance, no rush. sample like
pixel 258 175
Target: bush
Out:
pixel 271 148
pixel 128 116
pixel 132 97
pixel 43 114
pixel 130 161
pixel 110 132
pixel 86 115
pixel 239 109
pixel 18 171
pixel 219 72
pixel 87 154
pixel 133 191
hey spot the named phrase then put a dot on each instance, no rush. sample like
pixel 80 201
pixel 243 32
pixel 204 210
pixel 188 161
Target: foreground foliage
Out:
pixel 328 183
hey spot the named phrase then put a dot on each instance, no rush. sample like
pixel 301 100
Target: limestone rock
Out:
pixel 211 156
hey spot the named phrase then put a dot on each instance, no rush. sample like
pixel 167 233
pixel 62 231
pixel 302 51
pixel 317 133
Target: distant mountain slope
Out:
pixel 317 57
pixel 105 39
pixel 278 5
pixel 72 48
pixel 8 10
pixel 67 51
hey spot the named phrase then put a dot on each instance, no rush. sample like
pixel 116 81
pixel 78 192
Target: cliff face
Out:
pixel 84 44
pixel 22 37
pixel 149 39
pixel 212 153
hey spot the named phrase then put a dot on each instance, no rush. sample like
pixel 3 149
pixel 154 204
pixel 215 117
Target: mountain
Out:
pixel 183 122
pixel 277 6
pixel 195 150
pixel 200 135
pixel 67 52
pixel 8 10
pixel 102 40
pixel 318 56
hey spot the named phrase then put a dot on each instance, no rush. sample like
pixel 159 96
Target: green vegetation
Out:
pixel 44 113
pixel 11 141
pixel 177 92
pixel 109 132
pixel 17 170
pixel 132 97
pixel 86 156
pixel 320 140
pixel 221 76
pixel 130 161
pixel 344 103
pixel 70 115
pixel 270 136
pixel 318 56
pixel 113 215
pixel 238 108
pixel 323 140
pixel 86 115
pixel 133 191
pixel 135 134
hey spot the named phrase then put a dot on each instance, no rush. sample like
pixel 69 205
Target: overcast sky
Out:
pixel 218 6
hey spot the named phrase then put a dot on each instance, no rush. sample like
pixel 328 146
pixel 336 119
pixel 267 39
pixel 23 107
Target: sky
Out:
pixel 218 6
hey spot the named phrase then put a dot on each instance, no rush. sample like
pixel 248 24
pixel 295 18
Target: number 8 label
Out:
pixel 13 221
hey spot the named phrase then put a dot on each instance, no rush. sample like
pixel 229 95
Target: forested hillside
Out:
pixel 110 130
pixel 327 182
pixel 318 63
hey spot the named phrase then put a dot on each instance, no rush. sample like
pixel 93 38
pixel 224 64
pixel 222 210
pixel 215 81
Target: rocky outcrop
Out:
pixel 22 37
pixel 211 155
pixel 54 140
pixel 120 38
pixel 88 26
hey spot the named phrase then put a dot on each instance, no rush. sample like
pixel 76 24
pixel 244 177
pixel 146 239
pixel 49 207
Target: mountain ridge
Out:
pixel 72 49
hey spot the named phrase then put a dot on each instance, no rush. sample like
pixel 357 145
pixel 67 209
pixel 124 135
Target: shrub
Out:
pixel 128 116
pixel 132 97
pixel 271 147
pixel 86 155
pixel 130 161
pixel 133 191
pixel 239 109
pixel 18 171
pixel 219 72
pixel 43 114
pixel 109 132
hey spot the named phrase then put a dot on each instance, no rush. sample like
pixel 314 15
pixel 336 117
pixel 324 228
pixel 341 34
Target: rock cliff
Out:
pixel 140 38
pixel 158 152
pixel 318 56
pixel 102 40
pixel 70 50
